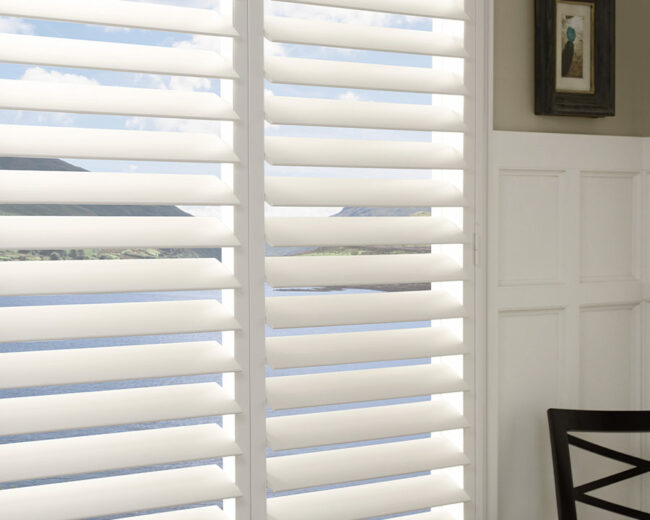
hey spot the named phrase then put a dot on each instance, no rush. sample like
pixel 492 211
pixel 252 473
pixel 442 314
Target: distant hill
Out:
pixel 21 163
pixel 382 212
pixel 26 163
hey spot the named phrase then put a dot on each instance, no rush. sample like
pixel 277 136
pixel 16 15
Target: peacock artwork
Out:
pixel 574 46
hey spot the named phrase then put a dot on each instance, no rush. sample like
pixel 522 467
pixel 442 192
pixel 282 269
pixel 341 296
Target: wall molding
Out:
pixel 581 253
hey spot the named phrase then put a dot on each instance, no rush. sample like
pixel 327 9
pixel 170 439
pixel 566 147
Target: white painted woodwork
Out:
pixel 568 308
pixel 119 13
pixel 127 57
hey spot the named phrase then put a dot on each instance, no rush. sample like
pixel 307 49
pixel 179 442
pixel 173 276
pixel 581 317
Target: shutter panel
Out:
pixel 126 404
pixel 365 385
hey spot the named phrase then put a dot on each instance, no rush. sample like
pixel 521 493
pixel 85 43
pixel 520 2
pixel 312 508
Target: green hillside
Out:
pixel 20 163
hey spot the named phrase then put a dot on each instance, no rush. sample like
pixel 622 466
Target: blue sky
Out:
pixel 220 45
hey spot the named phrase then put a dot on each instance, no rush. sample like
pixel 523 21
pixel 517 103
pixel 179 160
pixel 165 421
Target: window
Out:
pixel 161 159
pixel 367 264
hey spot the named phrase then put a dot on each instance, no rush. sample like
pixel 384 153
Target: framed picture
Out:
pixel 574 57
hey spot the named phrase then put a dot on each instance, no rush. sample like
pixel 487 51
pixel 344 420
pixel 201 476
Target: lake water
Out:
pixel 170 296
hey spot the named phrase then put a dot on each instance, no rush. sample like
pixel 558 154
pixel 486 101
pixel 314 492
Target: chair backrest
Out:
pixel 561 423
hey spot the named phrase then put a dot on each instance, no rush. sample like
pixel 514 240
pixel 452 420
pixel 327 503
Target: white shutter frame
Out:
pixel 143 396
pixel 362 253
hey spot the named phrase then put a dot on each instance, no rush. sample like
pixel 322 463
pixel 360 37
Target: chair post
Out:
pixel 562 465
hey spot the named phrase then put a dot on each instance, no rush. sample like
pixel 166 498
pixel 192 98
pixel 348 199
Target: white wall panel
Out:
pixel 610 378
pixel 530 223
pixel 608 226
pixel 610 372
pixel 568 313
pixel 530 357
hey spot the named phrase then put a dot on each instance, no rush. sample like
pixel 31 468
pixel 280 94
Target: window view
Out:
pixel 116 276
pixel 120 287
pixel 365 255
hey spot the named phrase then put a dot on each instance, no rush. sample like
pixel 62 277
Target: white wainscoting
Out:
pixel 568 313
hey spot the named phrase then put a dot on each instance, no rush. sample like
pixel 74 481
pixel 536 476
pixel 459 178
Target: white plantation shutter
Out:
pixel 156 466
pixel 342 437
pixel 146 388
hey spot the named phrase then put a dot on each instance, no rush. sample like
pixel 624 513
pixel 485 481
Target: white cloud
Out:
pixel 184 83
pixel 333 14
pixel 174 125
pixel 53 76
pixel 202 42
pixel 189 83
pixel 150 81
pixel 350 96
pixel 111 29
pixel 204 211
pixel 15 25
pixel 275 49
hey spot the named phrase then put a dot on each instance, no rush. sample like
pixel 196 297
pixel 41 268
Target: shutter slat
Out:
pixel 90 99
pixel 323 271
pixel 351 36
pixel 91 143
pixel 126 57
pixel 380 422
pixel 45 233
pixel 113 319
pixel 196 513
pixel 325 73
pixel 142 189
pixel 357 153
pixel 92 365
pixel 356 309
pixel 369 500
pixel 361 231
pixel 432 515
pixel 123 14
pixel 438 9
pixel 360 114
pixel 324 468
pixel 306 191
pixel 114 495
pixel 93 453
pixel 106 276
pixel 49 413
pixel 361 347
pixel 302 391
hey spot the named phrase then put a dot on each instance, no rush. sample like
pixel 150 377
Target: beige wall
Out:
pixel 514 73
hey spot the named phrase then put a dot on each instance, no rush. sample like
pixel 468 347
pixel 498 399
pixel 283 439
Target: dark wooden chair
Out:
pixel 561 423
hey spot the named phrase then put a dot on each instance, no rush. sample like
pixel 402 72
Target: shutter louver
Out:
pixel 157 411
pixel 365 386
